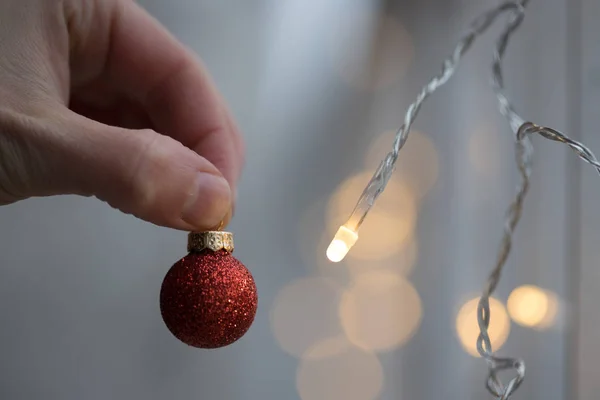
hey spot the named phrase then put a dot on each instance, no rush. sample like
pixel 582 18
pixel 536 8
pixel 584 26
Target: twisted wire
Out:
pixel 580 149
pixel 523 153
pixel 383 173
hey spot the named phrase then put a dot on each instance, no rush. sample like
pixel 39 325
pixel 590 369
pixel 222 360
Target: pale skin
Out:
pixel 98 99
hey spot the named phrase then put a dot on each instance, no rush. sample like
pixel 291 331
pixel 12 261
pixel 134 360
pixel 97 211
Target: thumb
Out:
pixel 139 172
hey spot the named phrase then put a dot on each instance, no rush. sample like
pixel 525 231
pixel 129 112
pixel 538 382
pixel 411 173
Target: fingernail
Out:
pixel 208 203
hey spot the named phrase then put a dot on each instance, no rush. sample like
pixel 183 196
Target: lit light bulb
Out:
pixel 347 234
pixel 341 244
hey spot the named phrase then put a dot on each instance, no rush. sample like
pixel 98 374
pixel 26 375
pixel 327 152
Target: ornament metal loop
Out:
pixel 210 240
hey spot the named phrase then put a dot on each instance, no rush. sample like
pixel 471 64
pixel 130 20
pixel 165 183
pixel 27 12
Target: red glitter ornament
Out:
pixel 208 298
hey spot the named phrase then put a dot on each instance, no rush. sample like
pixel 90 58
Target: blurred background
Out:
pixel 318 88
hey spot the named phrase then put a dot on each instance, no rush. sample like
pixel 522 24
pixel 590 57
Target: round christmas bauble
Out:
pixel 208 299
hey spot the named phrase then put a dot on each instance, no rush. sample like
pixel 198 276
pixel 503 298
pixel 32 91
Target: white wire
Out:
pixel 523 152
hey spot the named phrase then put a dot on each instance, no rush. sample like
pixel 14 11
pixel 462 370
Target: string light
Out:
pixel 347 235
pixel 341 244
pixel 390 225
pixel 386 168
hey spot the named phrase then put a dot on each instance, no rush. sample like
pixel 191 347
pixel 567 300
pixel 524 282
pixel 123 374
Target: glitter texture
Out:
pixel 208 299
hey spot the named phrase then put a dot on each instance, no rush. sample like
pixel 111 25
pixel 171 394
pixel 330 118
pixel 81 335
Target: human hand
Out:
pixel 98 99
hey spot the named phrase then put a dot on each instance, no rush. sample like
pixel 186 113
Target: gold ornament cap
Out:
pixel 210 240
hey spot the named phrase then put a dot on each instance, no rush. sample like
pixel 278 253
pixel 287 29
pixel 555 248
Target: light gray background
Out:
pixel 79 281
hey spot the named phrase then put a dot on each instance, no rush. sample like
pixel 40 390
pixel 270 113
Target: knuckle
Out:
pixel 150 171
pixel 136 181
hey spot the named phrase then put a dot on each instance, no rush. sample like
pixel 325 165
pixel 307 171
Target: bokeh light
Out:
pixel 333 369
pixel 371 52
pixel 402 262
pixel 390 223
pixel 533 307
pixel 468 329
pixel 305 312
pixel 417 167
pixel 380 311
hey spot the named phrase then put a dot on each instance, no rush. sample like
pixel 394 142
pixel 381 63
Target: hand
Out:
pixel 98 99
